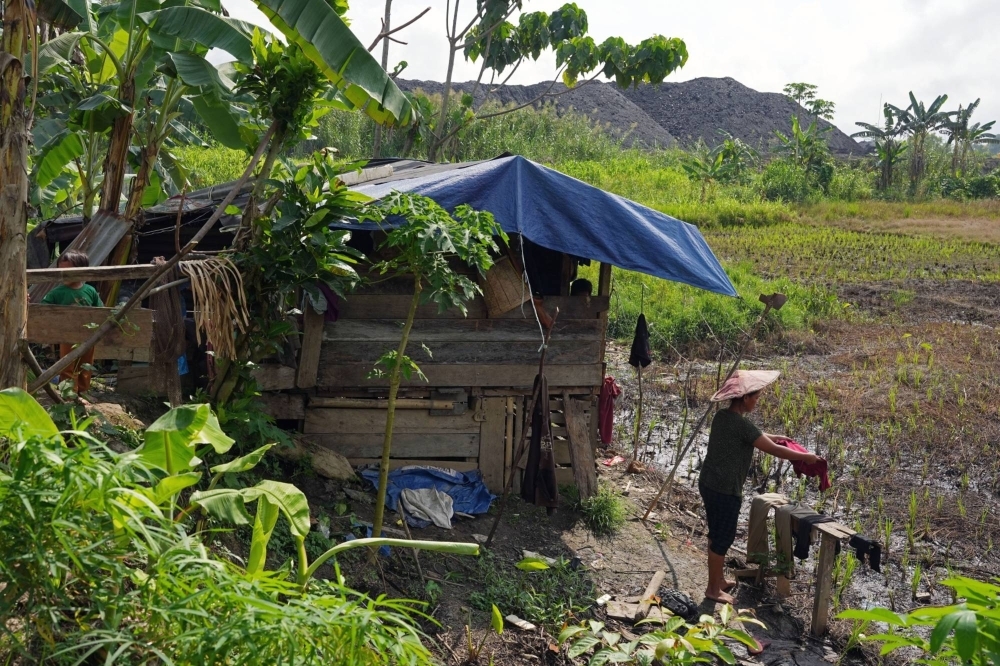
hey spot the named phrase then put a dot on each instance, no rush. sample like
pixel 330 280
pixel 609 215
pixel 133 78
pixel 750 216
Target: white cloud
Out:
pixel 859 52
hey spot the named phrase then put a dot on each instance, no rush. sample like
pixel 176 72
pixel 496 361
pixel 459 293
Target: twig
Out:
pixel 388 34
pixel 177 224
pixel 140 294
pixel 169 285
pixel 416 553
pixel 32 363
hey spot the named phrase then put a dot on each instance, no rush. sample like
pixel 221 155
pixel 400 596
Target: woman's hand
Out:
pixel 810 458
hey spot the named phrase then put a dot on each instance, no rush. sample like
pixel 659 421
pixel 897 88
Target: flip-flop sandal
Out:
pixel 761 646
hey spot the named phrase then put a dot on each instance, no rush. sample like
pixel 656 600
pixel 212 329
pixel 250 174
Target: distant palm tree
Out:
pixel 888 146
pixel 962 136
pixel 918 121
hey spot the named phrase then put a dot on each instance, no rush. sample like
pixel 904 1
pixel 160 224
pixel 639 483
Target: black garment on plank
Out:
pixel 803 534
pixel 640 355
pixel 539 484
pixel 865 547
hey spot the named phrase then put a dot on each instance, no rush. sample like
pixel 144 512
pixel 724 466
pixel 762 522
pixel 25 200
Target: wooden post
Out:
pixel 491 443
pixel 581 451
pixel 824 584
pixel 312 342
pixel 604 280
pixel 508 438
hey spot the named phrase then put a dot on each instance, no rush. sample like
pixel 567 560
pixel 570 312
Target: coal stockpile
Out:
pixel 668 114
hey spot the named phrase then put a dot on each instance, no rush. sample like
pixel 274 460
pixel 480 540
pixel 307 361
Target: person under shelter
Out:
pixel 731 443
pixel 75 293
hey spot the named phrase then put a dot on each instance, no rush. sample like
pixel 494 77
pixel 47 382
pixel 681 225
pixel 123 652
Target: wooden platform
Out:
pixel 828 534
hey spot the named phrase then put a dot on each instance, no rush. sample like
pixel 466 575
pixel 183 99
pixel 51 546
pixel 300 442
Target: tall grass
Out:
pixel 679 315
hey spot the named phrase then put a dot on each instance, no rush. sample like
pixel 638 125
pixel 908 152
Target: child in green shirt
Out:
pixel 81 295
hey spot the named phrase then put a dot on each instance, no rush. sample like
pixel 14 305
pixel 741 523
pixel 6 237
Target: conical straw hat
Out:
pixel 745 381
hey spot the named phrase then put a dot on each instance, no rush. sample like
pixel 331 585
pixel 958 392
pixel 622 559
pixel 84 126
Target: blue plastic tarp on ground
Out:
pixel 564 214
pixel 466 489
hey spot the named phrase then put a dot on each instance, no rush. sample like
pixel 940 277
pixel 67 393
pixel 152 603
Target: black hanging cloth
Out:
pixel 640 355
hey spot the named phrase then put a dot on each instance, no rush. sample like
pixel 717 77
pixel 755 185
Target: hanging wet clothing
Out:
pixel 865 548
pixel 640 355
pixel 816 469
pixel 539 484
pixel 606 409
pixel 803 533
pixel 758 549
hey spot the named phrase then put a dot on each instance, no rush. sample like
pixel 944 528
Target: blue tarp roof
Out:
pixel 564 214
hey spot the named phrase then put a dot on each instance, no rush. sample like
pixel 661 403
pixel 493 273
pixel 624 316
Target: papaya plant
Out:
pixel 423 246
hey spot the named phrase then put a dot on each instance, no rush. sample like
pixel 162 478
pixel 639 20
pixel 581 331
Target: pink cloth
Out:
pixel 818 468
pixel 606 409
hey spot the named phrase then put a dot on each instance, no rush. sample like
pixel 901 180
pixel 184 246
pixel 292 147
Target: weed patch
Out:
pixel 548 597
pixel 604 513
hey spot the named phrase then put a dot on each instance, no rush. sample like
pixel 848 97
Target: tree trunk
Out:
pixel 133 208
pixel 116 161
pixel 390 412
pixel 15 123
pixel 386 25
pixel 436 143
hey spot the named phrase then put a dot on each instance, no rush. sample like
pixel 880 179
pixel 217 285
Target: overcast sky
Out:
pixel 859 52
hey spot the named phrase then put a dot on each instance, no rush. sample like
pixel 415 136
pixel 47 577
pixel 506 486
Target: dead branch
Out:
pixel 388 34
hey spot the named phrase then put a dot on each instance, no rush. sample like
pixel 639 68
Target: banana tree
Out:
pixel 889 148
pixel 15 122
pixel 963 136
pixel 918 121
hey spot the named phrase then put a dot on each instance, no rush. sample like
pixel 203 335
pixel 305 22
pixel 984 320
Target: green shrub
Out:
pixel 851 184
pixel 675 643
pixel 604 512
pixel 984 187
pixel 545 595
pixel 782 180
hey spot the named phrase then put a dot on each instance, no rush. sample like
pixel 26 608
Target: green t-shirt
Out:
pixel 85 296
pixel 730 452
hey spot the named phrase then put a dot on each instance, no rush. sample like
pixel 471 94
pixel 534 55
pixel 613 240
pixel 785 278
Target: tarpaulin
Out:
pixel 466 489
pixel 566 215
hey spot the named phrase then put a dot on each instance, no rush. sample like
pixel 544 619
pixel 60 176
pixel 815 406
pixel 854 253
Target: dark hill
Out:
pixel 603 104
pixel 668 113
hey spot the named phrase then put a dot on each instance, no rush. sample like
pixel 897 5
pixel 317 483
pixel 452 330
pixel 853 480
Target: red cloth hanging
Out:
pixel 818 468
pixel 606 409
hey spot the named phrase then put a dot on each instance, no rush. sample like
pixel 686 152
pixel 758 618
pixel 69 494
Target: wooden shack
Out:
pixel 480 373
pixel 480 368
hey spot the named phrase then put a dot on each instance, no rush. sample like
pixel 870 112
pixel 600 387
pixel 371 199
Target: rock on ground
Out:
pixel 326 463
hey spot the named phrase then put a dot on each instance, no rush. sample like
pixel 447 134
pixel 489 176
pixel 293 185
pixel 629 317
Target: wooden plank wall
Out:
pixel 494 359
pixel 419 438
pixel 474 351
pixel 54 324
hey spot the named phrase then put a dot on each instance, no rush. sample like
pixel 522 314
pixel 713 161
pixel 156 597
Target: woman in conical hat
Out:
pixel 731 443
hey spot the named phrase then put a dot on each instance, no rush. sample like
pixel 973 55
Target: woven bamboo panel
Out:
pixel 503 288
